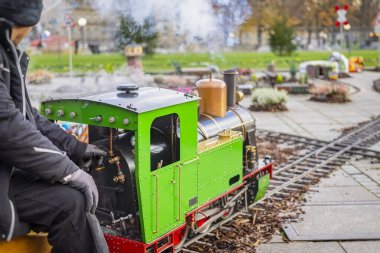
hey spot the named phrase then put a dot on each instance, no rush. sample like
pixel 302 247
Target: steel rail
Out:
pixel 291 138
pixel 319 161
pixel 330 144
pixel 300 176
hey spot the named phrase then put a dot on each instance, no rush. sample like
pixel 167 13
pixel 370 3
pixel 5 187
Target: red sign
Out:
pixel 68 20
pixel 341 12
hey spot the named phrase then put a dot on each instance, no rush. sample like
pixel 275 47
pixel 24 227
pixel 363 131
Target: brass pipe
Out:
pixel 110 144
pixel 240 125
pixel 213 120
pixel 250 160
pixel 241 120
pixel 203 130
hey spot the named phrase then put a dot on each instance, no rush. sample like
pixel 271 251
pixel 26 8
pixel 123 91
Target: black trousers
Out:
pixel 56 209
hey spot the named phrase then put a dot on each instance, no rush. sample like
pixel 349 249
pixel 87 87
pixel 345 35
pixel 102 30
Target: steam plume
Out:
pixel 195 19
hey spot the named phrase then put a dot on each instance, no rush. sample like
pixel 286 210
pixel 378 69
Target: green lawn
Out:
pixel 163 62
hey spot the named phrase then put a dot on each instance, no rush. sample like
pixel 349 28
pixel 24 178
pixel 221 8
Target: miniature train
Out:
pixel 176 164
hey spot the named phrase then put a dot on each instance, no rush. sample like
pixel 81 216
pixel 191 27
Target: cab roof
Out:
pixel 142 100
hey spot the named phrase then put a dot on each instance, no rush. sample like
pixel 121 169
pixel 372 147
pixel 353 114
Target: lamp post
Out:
pixel 347 28
pixel 69 24
pixel 82 22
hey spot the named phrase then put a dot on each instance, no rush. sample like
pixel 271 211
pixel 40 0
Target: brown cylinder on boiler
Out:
pixel 213 94
pixel 230 77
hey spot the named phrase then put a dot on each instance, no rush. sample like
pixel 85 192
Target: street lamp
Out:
pixel 347 28
pixel 82 22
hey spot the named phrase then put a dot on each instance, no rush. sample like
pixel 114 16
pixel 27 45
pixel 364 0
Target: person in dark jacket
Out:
pixel 41 184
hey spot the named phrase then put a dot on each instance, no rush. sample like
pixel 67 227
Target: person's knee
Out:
pixel 73 201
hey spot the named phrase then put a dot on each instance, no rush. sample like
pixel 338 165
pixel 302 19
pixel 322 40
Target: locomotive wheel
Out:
pixel 205 229
pixel 182 237
pixel 229 211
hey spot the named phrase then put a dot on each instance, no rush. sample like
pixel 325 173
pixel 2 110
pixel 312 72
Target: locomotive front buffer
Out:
pixel 176 164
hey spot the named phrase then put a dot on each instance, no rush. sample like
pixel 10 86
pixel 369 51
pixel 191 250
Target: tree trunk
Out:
pixel 318 29
pixel 260 29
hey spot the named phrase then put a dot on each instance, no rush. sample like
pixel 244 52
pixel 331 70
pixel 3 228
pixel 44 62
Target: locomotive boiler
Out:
pixel 176 164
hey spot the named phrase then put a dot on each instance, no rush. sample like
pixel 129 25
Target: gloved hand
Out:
pixel 82 181
pixel 92 154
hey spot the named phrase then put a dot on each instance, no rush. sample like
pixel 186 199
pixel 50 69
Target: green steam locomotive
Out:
pixel 177 163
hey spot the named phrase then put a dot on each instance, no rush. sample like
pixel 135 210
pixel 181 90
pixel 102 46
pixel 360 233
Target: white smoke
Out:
pixel 204 20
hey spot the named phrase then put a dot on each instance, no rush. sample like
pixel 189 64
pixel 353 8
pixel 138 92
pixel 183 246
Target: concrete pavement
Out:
pixel 347 202
pixel 323 120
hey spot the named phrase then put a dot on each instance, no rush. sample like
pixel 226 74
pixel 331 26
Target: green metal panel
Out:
pixel 85 112
pixel 216 167
pixel 263 186
pixel 174 193
pixel 189 185
pixel 164 201
pixel 168 178
pixel 181 187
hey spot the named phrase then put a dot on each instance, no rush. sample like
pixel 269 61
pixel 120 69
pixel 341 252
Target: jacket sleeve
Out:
pixel 75 149
pixel 23 146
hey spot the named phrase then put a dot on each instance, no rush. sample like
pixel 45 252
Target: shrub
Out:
pixel 330 92
pixel 281 37
pixel 267 99
pixel 280 78
pixel 40 76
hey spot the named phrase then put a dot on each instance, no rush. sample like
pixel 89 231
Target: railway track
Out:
pixel 311 144
pixel 301 172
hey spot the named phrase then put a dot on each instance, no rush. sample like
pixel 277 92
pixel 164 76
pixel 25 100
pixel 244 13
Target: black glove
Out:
pixel 92 154
pixel 85 183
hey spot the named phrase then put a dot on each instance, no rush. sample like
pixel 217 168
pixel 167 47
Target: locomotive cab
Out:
pixel 141 131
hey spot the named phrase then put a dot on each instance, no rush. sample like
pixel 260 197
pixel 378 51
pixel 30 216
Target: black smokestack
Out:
pixel 230 77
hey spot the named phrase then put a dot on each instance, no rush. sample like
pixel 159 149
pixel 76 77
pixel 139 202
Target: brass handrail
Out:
pixel 179 191
pixel 192 160
pixel 156 176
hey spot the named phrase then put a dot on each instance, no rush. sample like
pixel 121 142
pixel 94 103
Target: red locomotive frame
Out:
pixel 118 244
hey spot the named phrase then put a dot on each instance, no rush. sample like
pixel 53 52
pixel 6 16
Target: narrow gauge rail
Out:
pixel 309 143
pixel 303 171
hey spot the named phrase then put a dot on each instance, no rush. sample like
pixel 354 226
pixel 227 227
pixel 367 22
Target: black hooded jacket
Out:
pixel 29 143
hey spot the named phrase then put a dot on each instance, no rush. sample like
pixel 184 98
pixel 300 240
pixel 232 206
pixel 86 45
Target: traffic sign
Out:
pixel 68 20
pixel 342 15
